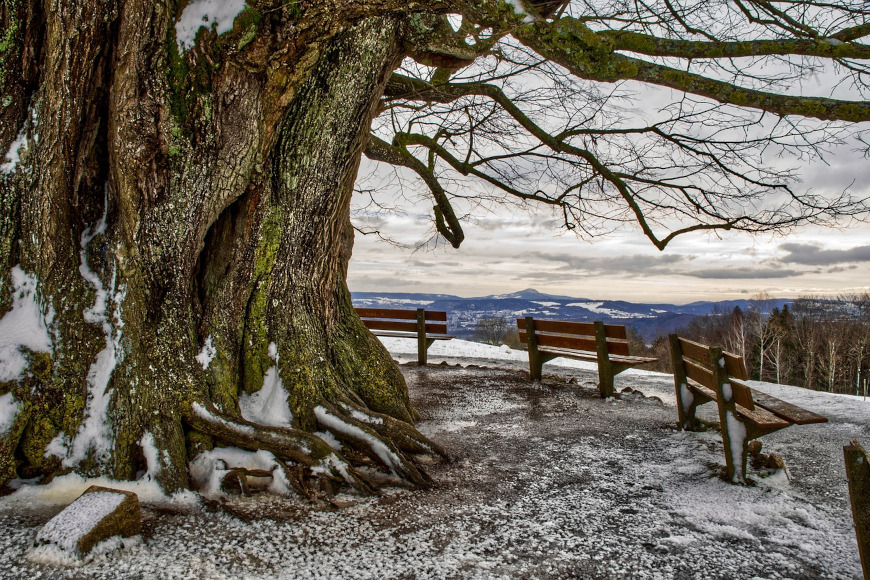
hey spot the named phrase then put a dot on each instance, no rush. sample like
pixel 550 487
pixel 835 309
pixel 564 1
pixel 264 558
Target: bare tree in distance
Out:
pixel 175 218
pixel 492 330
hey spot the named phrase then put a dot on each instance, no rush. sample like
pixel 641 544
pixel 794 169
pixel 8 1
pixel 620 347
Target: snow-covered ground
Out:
pixel 548 481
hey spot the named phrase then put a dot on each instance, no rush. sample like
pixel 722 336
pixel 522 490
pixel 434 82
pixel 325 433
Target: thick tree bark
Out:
pixel 170 201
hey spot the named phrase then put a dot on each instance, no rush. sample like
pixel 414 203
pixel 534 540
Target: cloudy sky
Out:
pixel 508 248
pixel 513 252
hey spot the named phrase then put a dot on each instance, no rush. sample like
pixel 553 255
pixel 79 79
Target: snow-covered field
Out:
pixel 548 481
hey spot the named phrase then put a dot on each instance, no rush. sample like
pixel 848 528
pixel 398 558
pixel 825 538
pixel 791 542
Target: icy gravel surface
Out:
pixel 548 481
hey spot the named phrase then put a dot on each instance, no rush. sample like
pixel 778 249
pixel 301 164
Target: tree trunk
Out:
pixel 184 232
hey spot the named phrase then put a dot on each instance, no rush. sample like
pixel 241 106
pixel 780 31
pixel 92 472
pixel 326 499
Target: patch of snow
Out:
pixel 206 415
pixel 13 156
pixel 217 14
pixel 207 354
pixel 152 456
pixel 454 426
pixel 363 417
pixel 210 467
pixel 455 21
pixel 520 10
pixel 51 555
pixel 9 409
pixel 687 397
pixel 330 439
pixel 63 490
pixel 845 408
pixel 268 406
pixel 25 326
pixel 737 436
pixel 546 304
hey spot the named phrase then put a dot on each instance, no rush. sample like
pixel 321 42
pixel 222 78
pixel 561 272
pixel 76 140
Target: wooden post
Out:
pixel 727 407
pixel 680 379
pixel 535 361
pixel 605 368
pixel 858 472
pixel 422 347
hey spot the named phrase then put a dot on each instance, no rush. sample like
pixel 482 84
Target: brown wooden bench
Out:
pixel 703 374
pixel 426 326
pixel 858 472
pixel 605 344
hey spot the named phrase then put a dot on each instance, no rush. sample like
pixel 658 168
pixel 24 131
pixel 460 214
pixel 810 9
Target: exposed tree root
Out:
pixel 301 455
pixel 288 444
pixel 404 435
pixel 366 440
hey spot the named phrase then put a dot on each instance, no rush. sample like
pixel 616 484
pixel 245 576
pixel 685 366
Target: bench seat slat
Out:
pixel 700 390
pixel 403 326
pixel 758 416
pixel 436 315
pixel 593 356
pixel 614 347
pixel 394 334
pixel 762 418
pixel 785 410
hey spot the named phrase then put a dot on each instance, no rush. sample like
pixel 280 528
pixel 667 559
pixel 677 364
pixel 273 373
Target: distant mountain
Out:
pixel 464 314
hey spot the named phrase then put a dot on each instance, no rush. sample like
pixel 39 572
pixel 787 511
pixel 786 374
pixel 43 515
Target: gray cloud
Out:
pixel 813 255
pixel 838 269
pixel 639 264
pixel 743 273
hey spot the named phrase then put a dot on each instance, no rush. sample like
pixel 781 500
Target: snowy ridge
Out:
pixel 465 314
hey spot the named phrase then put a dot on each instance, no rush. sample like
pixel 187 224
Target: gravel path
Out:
pixel 548 481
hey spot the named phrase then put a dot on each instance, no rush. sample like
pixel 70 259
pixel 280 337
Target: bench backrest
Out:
pixel 697 363
pixel 575 335
pixel 403 320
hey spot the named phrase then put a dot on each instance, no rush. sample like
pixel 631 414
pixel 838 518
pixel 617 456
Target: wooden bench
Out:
pixel 605 344
pixel 703 374
pixel 858 473
pixel 426 326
